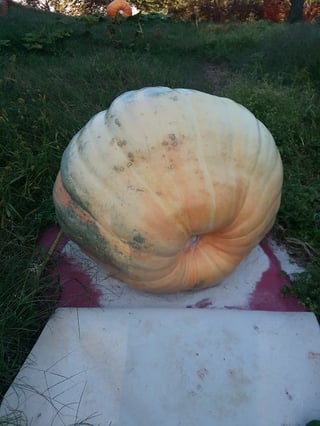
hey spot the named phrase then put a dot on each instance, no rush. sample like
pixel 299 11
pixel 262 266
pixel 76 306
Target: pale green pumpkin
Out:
pixel 170 188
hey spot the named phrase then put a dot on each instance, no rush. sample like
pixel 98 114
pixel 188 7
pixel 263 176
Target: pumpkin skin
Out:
pixel 119 6
pixel 169 188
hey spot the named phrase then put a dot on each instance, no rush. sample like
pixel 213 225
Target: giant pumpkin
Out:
pixel 169 188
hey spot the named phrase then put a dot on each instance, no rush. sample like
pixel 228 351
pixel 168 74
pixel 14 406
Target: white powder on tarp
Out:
pixel 234 291
pixel 285 261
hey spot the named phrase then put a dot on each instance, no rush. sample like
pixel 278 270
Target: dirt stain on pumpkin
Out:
pixel 121 143
pixel 137 241
pixel 171 142
pixel 118 168
pixel 81 145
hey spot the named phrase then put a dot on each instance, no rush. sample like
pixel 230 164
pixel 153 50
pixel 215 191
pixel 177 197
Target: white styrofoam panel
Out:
pixel 170 367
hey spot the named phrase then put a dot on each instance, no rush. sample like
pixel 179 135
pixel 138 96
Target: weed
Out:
pixel 306 286
pixel 44 40
pixel 290 114
pixel 4 43
pixel 289 52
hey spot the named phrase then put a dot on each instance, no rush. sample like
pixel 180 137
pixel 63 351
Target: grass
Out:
pixel 57 71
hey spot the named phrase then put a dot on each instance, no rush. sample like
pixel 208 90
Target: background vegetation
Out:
pixel 56 71
pixel 199 10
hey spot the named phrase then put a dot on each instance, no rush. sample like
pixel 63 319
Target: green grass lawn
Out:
pixel 57 71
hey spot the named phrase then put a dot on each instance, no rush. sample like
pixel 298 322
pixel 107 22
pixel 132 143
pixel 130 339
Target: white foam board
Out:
pixel 143 367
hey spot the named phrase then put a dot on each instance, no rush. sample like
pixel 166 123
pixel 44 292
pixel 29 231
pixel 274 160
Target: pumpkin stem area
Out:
pixel 192 242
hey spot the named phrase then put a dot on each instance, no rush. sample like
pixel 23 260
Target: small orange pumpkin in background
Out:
pixel 119 6
pixel 169 188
